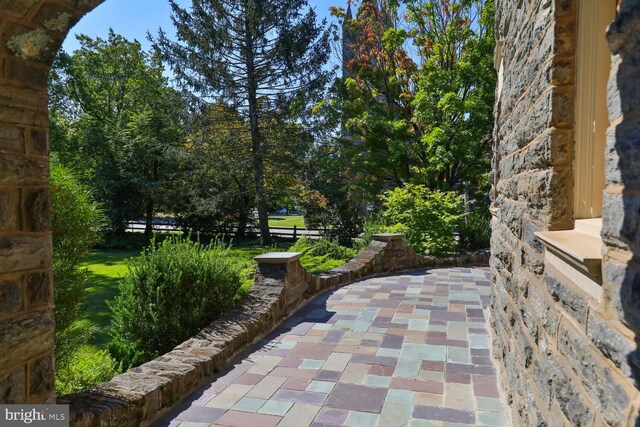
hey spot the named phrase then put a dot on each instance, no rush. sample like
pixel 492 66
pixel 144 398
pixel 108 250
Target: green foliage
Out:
pixel 85 370
pixel 264 58
pixel 170 293
pixel 475 231
pixel 320 255
pixel 373 224
pixel 327 200
pixel 76 225
pixel 417 94
pixel 114 117
pixel 428 218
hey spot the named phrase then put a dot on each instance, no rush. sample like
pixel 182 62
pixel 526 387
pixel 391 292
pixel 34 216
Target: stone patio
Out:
pixel 404 350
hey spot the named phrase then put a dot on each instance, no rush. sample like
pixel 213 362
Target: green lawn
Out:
pixel 286 221
pixel 106 268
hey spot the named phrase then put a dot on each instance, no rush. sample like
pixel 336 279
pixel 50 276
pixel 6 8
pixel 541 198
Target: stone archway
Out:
pixel 31 32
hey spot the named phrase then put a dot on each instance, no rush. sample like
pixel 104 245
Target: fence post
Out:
pixel 295 232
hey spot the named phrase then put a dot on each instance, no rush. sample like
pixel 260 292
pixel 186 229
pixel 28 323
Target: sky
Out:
pixel 133 18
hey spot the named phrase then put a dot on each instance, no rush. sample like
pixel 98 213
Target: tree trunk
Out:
pixel 148 228
pixel 256 146
pixel 243 218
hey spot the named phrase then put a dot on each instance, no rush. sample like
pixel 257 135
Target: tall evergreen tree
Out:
pixel 264 58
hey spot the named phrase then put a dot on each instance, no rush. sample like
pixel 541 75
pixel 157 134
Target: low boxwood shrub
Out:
pixel 173 290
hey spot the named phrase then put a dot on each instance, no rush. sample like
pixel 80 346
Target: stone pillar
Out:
pixel 31 32
pixel 278 267
pixel 26 288
pixel 391 239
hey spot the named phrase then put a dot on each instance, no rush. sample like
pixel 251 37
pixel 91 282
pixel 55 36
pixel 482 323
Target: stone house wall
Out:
pixel 569 359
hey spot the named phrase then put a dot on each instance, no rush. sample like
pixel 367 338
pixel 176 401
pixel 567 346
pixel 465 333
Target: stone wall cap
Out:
pixel 278 257
pixel 388 237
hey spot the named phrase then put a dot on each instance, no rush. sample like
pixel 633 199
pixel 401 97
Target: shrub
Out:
pixel 321 255
pixel 85 370
pixel 475 231
pixel 428 218
pixel 76 223
pixel 174 289
pixel 373 224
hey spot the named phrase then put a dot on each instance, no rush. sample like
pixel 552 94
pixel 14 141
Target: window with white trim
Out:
pixel 593 64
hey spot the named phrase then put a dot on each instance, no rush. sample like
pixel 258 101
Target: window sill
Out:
pixel 577 254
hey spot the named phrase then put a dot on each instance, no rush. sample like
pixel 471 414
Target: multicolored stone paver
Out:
pixel 407 350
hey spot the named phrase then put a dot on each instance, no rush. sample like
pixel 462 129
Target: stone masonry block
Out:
pixel 16 7
pixel 623 154
pixel 620 220
pixel 41 378
pixel 28 336
pixel 39 290
pixel 611 343
pixel 36 207
pixel 38 142
pixel 603 387
pixel 567 396
pixel 55 17
pixel 11 295
pixel 544 308
pixel 9 209
pixel 12 386
pixel 24 253
pixel 11 139
pixel 573 303
pixel 621 286
pixel 19 169
pixel 26 72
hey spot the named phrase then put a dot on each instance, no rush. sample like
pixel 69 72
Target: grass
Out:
pixel 106 268
pixel 286 221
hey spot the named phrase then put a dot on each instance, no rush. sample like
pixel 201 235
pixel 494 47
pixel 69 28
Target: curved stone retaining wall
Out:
pixel 281 286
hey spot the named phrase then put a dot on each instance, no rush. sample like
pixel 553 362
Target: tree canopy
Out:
pixel 417 95
pixel 264 59
pixel 115 118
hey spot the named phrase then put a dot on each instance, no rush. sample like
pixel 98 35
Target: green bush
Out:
pixel 428 218
pixel 76 224
pixel 321 255
pixel 85 370
pixel 173 290
pixel 373 224
pixel 475 231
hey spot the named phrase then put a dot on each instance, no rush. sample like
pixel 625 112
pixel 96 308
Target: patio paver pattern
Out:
pixel 406 350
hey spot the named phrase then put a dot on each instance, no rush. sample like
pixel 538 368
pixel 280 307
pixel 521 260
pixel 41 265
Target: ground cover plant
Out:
pixel 321 255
